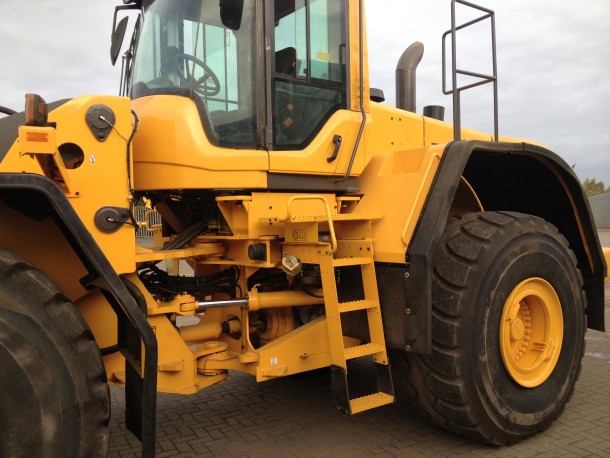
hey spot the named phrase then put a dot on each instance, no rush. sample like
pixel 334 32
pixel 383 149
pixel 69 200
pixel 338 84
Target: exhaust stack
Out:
pixel 406 78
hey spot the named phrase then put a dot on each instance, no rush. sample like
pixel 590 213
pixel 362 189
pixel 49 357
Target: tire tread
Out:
pixel 66 329
pixel 437 379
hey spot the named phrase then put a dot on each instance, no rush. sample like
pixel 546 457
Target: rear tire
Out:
pixel 54 399
pixel 501 369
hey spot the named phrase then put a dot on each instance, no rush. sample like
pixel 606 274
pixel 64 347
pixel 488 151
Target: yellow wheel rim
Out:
pixel 531 332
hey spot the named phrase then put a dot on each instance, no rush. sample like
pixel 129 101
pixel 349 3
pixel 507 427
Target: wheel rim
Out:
pixel 531 332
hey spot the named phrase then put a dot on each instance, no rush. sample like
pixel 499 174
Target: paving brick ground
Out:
pixel 294 417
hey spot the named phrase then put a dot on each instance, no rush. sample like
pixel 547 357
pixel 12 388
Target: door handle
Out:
pixel 337 140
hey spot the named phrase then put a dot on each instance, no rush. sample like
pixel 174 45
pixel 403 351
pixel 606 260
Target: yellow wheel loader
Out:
pixel 297 223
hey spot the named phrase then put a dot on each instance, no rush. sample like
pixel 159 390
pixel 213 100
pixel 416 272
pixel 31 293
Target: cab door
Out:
pixel 312 129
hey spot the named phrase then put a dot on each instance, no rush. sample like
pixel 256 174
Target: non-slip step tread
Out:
pixel 352 306
pixel 370 401
pixel 354 261
pixel 337 217
pixel 363 350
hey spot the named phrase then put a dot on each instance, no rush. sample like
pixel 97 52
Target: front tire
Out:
pixel 508 329
pixel 54 400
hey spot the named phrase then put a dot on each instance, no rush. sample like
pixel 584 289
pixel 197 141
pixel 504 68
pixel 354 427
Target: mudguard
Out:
pixel 505 176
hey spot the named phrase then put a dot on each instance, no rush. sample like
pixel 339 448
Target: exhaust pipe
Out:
pixel 405 76
pixel 435 111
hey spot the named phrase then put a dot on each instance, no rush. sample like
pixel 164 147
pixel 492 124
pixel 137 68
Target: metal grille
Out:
pixel 140 216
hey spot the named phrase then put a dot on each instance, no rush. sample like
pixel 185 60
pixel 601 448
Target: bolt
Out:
pixel 406 274
pixel 408 311
pixel 408 348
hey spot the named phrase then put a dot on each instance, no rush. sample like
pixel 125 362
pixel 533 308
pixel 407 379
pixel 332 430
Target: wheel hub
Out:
pixel 531 332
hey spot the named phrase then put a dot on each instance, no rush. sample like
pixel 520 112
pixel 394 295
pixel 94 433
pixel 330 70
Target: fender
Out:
pixel 38 197
pixel 505 176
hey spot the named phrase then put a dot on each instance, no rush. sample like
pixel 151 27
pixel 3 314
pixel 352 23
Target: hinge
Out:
pixel 268 133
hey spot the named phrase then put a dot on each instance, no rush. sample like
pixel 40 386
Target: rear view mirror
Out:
pixel 118 34
pixel 231 12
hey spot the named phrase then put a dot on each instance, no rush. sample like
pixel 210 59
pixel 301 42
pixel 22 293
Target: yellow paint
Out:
pixel 101 179
pixel 304 349
pixel 101 318
pixel 263 214
pixel 37 140
pixel 354 64
pixel 396 185
pixel 276 299
pixel 183 157
pixel 438 132
pixel 391 129
pixel 45 247
pixel 531 332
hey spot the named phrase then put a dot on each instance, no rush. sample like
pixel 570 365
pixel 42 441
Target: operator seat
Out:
pixel 286 61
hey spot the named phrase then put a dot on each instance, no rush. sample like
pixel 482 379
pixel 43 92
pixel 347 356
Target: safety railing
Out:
pixel 482 78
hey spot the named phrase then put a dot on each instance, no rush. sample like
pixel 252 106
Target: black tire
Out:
pixel 464 385
pixel 54 399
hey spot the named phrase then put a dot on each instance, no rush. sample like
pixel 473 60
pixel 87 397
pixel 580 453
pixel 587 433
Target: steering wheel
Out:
pixel 207 85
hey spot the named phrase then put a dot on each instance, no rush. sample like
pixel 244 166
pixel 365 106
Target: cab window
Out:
pixel 309 77
pixel 187 49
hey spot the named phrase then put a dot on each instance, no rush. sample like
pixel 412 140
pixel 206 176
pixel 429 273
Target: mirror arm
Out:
pixel 118 32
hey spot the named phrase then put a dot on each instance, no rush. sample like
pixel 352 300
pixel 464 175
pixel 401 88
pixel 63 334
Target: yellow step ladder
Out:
pixel 376 348
pixel 351 245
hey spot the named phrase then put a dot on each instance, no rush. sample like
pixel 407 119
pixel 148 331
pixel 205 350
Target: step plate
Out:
pixel 363 350
pixel 360 261
pixel 353 306
pixel 371 401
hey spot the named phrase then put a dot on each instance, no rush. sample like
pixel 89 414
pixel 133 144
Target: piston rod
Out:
pixel 259 301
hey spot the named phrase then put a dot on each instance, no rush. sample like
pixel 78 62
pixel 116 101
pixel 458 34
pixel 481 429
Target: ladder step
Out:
pixel 371 401
pixel 343 262
pixel 336 217
pixel 357 305
pixel 363 350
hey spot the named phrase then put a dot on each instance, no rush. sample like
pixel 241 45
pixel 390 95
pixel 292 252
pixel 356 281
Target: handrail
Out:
pixel 331 227
pixel 484 79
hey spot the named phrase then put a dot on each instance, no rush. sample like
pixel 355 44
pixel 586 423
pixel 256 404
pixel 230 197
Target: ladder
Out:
pixel 351 246
pixel 340 354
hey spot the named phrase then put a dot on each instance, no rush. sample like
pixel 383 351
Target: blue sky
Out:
pixel 553 63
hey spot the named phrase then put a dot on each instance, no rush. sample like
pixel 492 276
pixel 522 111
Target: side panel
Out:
pixel 397 184
pixel 92 174
pixel 171 150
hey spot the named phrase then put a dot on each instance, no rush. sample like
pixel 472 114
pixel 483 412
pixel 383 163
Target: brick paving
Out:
pixel 294 417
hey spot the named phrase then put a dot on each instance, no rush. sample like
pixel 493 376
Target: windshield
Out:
pixel 202 50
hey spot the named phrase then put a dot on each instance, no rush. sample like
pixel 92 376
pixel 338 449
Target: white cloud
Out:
pixel 58 49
